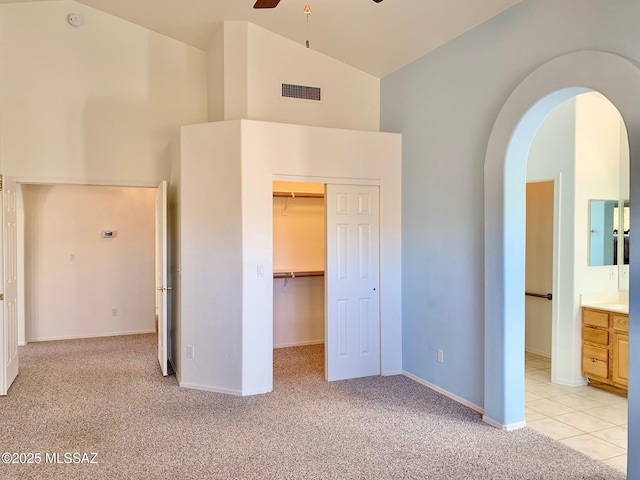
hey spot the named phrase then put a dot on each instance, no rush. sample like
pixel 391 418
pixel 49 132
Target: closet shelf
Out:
pixel 298 195
pixel 315 273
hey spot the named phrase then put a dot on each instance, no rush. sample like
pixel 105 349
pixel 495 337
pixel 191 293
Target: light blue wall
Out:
pixel 445 105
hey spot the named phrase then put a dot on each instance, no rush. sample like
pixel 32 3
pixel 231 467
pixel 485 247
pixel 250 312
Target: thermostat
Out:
pixel 109 233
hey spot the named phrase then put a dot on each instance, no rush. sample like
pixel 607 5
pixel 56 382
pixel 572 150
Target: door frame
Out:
pixel 22 340
pixel 504 173
pixel 335 181
pixel 557 259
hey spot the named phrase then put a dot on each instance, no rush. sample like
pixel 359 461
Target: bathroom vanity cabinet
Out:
pixel 605 348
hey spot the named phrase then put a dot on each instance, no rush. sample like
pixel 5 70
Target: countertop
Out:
pixel 609 306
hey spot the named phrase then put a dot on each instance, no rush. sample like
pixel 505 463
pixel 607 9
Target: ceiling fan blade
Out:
pixel 266 4
pixel 377 1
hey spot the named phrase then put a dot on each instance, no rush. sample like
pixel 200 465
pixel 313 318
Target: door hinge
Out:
pixel 0 183
pixel 1 296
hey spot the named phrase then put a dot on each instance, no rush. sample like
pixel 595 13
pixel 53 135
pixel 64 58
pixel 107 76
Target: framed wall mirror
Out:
pixel 609 231
pixel 622 231
pixel 603 245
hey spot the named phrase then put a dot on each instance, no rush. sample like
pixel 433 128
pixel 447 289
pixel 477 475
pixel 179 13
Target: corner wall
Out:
pixel 226 237
pixel 210 275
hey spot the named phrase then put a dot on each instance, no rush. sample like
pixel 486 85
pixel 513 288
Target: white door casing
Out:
pixel 162 289
pixel 10 281
pixel 352 282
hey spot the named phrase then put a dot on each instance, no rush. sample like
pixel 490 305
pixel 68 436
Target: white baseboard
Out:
pixel 257 391
pixel 538 352
pixel 299 344
pixel 209 388
pixel 504 428
pixel 577 383
pixel 444 392
pixel 95 335
pixel 391 373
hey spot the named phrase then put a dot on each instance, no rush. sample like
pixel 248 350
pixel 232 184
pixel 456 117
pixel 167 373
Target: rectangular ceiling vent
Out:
pixel 301 91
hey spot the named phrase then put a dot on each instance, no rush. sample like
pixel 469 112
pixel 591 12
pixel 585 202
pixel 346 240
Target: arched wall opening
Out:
pixel 616 78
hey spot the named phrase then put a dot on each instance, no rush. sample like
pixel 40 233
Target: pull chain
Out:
pixel 307 11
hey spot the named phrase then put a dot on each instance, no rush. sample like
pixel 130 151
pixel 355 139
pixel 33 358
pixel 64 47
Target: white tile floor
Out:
pixel 585 418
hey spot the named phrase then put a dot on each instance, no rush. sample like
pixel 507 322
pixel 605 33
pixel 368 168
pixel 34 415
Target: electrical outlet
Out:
pixel 190 351
pixel 114 312
pixel 440 356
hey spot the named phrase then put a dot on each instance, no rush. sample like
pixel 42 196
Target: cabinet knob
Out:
pixel 594 360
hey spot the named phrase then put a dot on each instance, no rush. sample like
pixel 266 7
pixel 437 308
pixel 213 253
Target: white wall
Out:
pixel 597 167
pixel 210 245
pixel 298 245
pixel 257 62
pixel 74 277
pixel 552 157
pixel 298 311
pixel 578 146
pixel 252 153
pixel 623 277
pixel 215 75
pixel 96 104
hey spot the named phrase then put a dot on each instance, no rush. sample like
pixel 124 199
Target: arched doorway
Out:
pixel 504 187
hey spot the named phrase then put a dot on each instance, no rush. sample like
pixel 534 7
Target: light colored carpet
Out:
pixel 107 396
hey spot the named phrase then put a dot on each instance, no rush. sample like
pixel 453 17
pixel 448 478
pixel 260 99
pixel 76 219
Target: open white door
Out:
pixel 10 281
pixel 352 318
pixel 162 289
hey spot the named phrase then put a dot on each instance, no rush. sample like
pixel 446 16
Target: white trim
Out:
pixel 209 388
pixel 257 391
pixel 99 335
pixel 444 392
pixel 538 352
pixel 504 428
pixel 578 383
pixel 299 344
pixel 327 180
pixel 391 373
pixel 84 182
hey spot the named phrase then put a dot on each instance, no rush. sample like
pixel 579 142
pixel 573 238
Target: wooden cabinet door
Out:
pixel 620 359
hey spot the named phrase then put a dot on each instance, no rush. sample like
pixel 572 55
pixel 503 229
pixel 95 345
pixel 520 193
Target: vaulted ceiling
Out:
pixel 377 38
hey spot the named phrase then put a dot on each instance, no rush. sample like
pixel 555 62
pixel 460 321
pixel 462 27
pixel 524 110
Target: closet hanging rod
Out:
pixel 317 273
pixel 298 195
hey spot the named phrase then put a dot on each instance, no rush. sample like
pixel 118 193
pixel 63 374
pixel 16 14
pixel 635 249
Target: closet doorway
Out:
pixel 326 275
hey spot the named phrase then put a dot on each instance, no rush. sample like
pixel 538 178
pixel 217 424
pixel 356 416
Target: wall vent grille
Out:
pixel 301 91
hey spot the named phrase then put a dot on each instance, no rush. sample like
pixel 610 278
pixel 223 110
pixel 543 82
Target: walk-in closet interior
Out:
pixel 298 277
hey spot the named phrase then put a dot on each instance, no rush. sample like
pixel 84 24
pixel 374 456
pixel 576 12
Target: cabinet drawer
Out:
pixel 595 319
pixel 621 323
pixel 595 362
pixel 593 335
pixel 598 353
